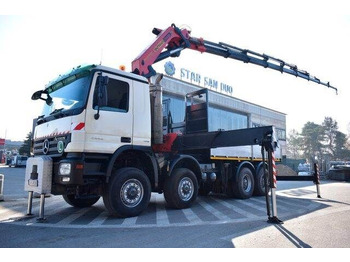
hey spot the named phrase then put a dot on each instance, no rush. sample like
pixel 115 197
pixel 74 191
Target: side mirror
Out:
pixel 101 90
pixel 38 95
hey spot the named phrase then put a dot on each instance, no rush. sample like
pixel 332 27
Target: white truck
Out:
pixel 18 161
pixel 102 131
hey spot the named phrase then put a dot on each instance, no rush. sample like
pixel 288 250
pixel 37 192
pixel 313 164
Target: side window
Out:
pixel 117 96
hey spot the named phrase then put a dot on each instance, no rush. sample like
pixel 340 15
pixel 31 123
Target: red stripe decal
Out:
pixel 80 126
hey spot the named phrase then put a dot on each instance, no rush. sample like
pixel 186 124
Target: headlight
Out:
pixel 65 168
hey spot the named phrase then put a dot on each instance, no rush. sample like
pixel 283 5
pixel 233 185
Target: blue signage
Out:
pixel 207 82
pixel 169 68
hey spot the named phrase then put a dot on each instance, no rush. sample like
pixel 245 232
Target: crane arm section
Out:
pixel 174 40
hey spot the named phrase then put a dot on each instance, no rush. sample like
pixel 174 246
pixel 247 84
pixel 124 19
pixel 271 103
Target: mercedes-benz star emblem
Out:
pixel 46 146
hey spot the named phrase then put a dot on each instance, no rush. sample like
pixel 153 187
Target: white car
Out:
pixel 304 174
pixel 18 160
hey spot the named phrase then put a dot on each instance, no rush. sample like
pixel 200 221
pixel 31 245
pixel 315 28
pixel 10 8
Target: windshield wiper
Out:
pixel 56 111
pixel 40 120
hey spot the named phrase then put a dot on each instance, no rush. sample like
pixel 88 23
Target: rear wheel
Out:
pixel 243 186
pixel 181 188
pixel 260 183
pixel 81 201
pixel 128 193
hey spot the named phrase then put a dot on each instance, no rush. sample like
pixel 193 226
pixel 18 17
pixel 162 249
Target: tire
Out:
pixel 181 188
pixel 86 201
pixel 243 186
pixel 128 193
pixel 260 183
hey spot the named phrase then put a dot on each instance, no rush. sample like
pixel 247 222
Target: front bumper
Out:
pixel 69 172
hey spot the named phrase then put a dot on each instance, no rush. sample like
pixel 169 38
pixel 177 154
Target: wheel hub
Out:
pixel 131 193
pixel 185 189
pixel 247 183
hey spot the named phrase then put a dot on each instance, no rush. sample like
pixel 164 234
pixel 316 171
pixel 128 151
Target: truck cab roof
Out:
pixel 82 69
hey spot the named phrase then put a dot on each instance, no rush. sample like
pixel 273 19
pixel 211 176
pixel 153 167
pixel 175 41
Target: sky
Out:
pixel 41 39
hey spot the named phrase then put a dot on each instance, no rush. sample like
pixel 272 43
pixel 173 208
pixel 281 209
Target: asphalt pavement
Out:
pixel 211 222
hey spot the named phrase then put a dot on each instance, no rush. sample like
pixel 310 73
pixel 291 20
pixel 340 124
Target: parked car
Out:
pixel 303 173
pixel 18 160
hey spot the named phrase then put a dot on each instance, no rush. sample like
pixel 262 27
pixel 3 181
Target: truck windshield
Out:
pixel 68 95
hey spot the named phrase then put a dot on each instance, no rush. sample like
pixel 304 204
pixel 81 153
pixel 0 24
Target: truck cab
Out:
pixel 86 127
pixel 69 123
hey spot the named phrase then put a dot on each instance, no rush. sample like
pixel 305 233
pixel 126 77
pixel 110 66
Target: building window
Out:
pixel 281 133
pixel 218 118
pixel 226 120
pixel 176 106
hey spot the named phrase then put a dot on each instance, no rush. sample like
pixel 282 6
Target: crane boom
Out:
pixel 174 40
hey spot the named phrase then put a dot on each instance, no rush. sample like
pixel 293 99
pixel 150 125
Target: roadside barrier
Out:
pixel 315 178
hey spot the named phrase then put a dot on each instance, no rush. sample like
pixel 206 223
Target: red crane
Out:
pixel 171 41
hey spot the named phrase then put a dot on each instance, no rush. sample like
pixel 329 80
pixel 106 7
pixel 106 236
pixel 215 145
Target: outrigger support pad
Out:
pixel 274 220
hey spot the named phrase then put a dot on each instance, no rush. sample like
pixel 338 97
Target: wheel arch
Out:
pixel 259 166
pixel 126 156
pixel 186 161
pixel 248 165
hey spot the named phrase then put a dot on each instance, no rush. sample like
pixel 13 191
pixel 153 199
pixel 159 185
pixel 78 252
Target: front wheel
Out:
pixel 181 188
pixel 128 193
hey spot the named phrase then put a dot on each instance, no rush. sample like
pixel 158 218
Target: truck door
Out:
pixel 113 128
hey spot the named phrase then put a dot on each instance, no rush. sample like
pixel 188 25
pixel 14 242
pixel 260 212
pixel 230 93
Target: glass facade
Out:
pixel 226 120
pixel 218 118
pixel 281 133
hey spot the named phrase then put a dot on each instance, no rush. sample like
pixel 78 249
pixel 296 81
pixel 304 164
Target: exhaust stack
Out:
pixel 156 97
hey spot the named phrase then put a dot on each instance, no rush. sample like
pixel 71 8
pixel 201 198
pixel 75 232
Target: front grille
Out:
pixel 52 145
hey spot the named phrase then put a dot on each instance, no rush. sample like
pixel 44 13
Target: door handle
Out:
pixel 124 139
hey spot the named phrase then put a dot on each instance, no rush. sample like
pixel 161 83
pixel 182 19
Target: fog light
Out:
pixel 65 169
pixel 65 179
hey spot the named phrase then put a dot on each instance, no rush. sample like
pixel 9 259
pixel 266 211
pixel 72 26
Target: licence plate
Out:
pixel 33 182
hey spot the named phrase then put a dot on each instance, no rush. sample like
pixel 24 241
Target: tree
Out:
pixel 340 150
pixel 348 138
pixel 25 149
pixel 330 131
pixel 294 144
pixel 321 141
pixel 312 138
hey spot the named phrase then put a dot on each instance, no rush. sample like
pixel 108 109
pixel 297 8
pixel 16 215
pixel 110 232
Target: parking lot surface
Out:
pixel 213 221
